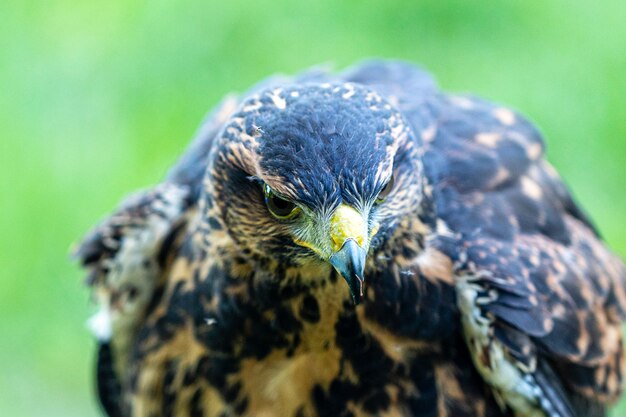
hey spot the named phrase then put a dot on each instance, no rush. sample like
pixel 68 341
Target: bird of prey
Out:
pixel 357 244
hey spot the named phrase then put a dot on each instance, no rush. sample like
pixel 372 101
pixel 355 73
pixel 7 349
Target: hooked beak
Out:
pixel 349 261
pixel 348 232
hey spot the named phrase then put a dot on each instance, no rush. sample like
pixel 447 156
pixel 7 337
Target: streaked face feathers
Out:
pixel 318 147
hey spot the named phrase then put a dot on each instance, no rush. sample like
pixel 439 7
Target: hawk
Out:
pixel 356 244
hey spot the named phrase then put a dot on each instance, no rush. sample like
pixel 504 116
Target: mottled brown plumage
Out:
pixel 360 244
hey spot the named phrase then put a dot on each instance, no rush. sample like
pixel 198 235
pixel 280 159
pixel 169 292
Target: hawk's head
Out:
pixel 314 172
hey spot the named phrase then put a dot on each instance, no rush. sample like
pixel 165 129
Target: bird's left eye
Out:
pixel 278 206
pixel 385 191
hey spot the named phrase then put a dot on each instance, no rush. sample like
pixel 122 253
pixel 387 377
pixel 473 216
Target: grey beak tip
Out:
pixel 349 261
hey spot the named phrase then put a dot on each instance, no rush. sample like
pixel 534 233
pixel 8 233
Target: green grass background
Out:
pixel 98 98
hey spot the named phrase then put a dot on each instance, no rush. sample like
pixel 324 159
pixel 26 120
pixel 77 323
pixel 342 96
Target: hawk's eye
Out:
pixel 385 191
pixel 279 207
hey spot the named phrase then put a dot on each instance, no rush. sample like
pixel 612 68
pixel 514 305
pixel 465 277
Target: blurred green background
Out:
pixel 98 98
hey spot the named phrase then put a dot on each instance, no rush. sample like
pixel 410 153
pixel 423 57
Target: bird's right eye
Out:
pixel 278 206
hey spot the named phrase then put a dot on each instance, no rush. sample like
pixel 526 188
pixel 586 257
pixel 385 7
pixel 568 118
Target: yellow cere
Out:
pixel 347 223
